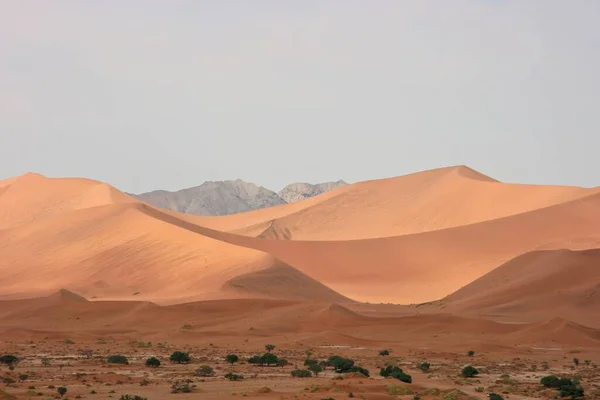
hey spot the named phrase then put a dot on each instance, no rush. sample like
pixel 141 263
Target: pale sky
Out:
pixel 168 94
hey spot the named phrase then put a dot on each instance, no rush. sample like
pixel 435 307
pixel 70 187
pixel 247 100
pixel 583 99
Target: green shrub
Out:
pixel 396 373
pixel 132 397
pixel 117 359
pixel 315 369
pixel 270 347
pixel 9 359
pixel 384 353
pixel 301 373
pixel 62 391
pixel 180 357
pixel 424 366
pixel 494 396
pixel 205 370
pixel 282 362
pixel 469 371
pixel 359 370
pixel 153 362
pixel 470 353
pixel 233 377
pixel 231 358
pixel 340 364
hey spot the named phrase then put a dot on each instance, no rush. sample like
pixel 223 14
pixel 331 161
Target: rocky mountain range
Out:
pixel 231 197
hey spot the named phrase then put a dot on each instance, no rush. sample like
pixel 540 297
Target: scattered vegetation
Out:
pixel 180 357
pixel 567 387
pixel 301 373
pixel 232 358
pixel 132 397
pixel 424 366
pixel 205 371
pixel 153 362
pixel 117 359
pixel 396 373
pixel 469 371
pixel 233 377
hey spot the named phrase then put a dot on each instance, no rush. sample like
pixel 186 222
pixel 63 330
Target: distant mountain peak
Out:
pixel 231 196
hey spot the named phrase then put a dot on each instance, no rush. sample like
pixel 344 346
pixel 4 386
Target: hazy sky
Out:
pixel 168 94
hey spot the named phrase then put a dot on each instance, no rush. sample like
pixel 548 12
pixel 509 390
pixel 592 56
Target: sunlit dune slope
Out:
pixel 537 285
pixel 114 251
pixel 32 197
pixel 426 266
pixel 420 202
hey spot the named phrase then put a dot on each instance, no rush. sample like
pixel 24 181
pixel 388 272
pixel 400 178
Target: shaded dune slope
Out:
pixel 426 266
pixel 542 284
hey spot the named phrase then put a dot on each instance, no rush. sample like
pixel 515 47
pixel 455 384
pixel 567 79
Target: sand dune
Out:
pixel 414 239
pixel 420 202
pixel 541 284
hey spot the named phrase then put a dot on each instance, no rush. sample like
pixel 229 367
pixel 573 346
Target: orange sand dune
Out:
pixel 426 266
pixel 91 238
pixel 115 251
pixel 541 284
pixel 420 202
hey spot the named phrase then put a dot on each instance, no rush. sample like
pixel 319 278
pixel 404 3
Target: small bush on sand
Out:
pixel 117 359
pixel 396 373
pixel 205 370
pixel 301 373
pixel 153 362
pixel 232 358
pixel 469 371
pixel 233 377
pixel 424 366
pixel 180 357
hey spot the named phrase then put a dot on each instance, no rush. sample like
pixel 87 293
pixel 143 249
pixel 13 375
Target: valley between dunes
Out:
pixel 445 250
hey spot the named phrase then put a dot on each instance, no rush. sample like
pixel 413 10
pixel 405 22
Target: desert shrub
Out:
pixel 153 362
pixel 205 370
pixel 359 370
pixel 23 377
pixel 9 359
pixel 310 361
pixel 180 357
pixel 282 362
pixel 46 361
pixel 396 373
pixel 62 391
pixel 301 373
pixel 340 364
pixel 69 341
pixel 231 358
pixel 494 396
pixel 576 361
pixel 469 371
pixel 470 353
pixel 315 369
pixel 573 391
pixel 181 387
pixel 567 387
pixel 233 377
pixel 132 397
pixel 254 360
pixel 384 353
pixel 117 359
pixel 8 381
pixel 398 390
pixel 424 366
pixel 269 347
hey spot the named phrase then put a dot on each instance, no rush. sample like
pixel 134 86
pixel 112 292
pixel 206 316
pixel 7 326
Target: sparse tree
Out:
pixel 153 362
pixel 470 353
pixel 233 377
pixel 232 358
pixel 282 362
pixel 62 391
pixel 576 362
pixel 301 373
pixel 117 359
pixel 270 347
pixel 269 359
pixel 469 371
pixel 180 357
pixel 9 360
pixel 315 369
pixel 46 361
pixel 205 371
pixel 424 366
pixel 384 353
